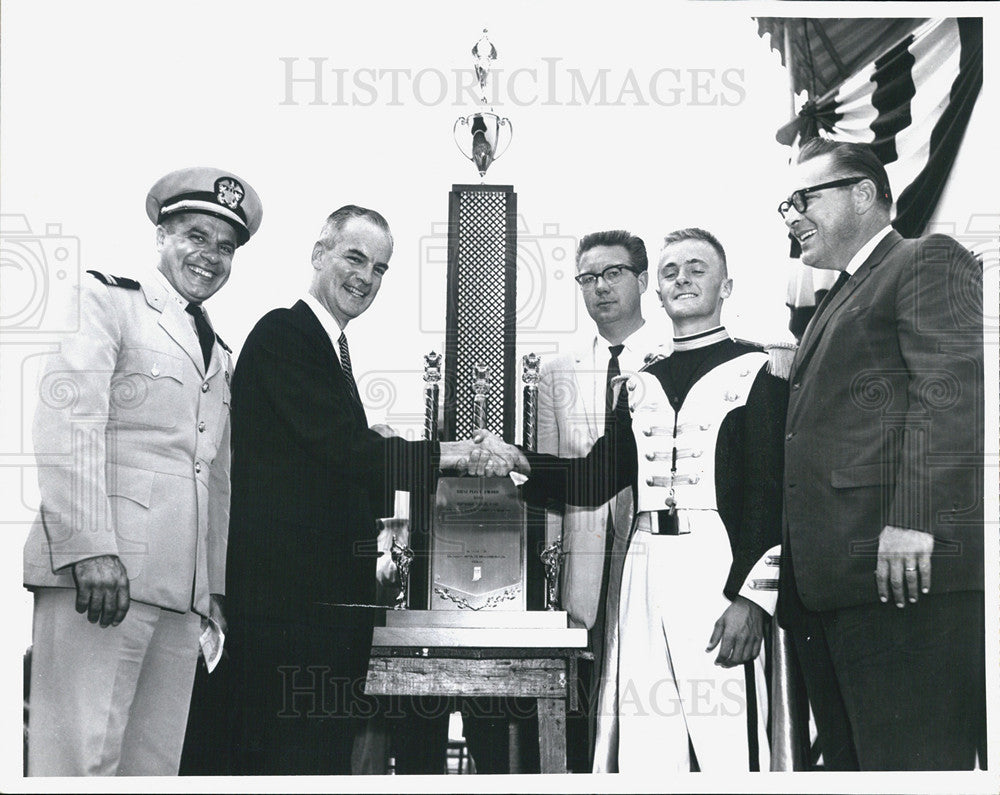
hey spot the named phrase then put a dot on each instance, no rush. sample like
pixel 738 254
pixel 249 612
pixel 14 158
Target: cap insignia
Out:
pixel 228 192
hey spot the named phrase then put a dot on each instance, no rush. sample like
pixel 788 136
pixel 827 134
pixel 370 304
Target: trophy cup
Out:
pixel 484 136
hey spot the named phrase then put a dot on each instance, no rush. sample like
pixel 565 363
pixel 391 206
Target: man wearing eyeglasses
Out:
pixel 882 554
pixel 574 405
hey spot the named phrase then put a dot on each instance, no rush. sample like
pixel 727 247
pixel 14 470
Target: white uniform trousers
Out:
pixel 111 701
pixel 669 688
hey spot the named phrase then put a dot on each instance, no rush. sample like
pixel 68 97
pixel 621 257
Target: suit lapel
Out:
pixel 586 361
pixel 176 322
pixel 821 319
pixel 316 330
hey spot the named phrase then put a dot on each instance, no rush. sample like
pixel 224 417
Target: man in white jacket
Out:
pixel 573 406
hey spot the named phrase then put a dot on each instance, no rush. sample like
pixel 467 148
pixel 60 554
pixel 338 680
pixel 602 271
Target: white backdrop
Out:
pixel 647 117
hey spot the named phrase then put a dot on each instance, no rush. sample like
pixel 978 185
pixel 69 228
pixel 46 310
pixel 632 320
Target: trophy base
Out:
pixel 495 629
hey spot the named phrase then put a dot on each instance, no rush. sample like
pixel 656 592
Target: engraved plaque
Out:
pixel 477 546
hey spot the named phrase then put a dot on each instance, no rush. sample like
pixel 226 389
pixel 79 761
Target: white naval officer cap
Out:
pixel 207 190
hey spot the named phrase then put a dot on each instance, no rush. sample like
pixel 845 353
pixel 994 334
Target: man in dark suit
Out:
pixel 309 480
pixel 882 575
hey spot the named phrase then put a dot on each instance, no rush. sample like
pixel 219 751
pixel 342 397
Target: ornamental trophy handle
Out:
pixel 432 391
pixel 552 555
pixel 402 556
pixel 480 395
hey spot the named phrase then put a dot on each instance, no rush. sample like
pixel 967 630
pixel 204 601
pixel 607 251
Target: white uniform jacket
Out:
pixel 131 436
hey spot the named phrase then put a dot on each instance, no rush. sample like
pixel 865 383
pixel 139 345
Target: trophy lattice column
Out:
pixel 481 313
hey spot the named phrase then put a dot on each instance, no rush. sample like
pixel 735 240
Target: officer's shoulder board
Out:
pixel 779 356
pixel 223 344
pixel 115 281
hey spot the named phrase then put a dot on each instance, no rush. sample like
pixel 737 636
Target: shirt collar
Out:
pixel 631 342
pixel 702 339
pixel 865 251
pixel 172 293
pixel 328 321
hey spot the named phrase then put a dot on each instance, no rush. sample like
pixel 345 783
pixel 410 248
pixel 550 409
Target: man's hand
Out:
pixel 492 456
pixel 902 556
pixel 738 633
pixel 216 610
pixel 485 455
pixel 102 589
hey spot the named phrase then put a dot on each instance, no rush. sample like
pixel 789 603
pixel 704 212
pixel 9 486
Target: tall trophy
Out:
pixel 477 577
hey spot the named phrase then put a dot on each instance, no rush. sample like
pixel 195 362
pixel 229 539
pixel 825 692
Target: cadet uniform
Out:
pixel 706 440
pixel 132 438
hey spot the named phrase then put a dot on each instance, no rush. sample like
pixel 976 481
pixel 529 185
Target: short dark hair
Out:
pixel 616 237
pixel 852 159
pixel 335 222
pixel 694 233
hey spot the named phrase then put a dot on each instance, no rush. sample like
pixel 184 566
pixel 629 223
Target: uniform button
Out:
pixel 205 387
pixel 796 385
pixel 789 435
pixel 197 467
pixel 201 427
pixel 155 371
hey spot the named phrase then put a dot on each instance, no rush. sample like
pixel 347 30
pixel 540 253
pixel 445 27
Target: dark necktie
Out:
pixel 206 337
pixel 841 281
pixel 612 409
pixel 345 365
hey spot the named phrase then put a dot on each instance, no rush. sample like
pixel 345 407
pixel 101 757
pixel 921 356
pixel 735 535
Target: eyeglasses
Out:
pixel 798 198
pixel 611 274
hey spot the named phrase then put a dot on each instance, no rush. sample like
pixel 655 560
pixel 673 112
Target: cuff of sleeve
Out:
pixel 63 562
pixel 761 584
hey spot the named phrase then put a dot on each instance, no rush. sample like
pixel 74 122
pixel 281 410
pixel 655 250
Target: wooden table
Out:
pixel 547 675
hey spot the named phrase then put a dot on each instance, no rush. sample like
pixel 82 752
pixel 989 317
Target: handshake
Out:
pixel 484 455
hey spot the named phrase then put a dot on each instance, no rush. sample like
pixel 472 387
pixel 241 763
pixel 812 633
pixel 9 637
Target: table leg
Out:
pixel 552 734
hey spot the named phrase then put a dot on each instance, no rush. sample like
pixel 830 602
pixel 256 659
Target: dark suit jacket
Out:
pixel 885 424
pixel 311 478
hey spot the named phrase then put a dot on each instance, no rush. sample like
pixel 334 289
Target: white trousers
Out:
pixel 669 688
pixel 110 701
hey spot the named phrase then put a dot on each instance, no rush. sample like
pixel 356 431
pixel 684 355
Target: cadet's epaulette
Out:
pixel 779 358
pixel 652 358
pixel 115 281
pixel 223 344
pixel 749 343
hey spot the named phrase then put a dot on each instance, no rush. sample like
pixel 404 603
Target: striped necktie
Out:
pixel 345 365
